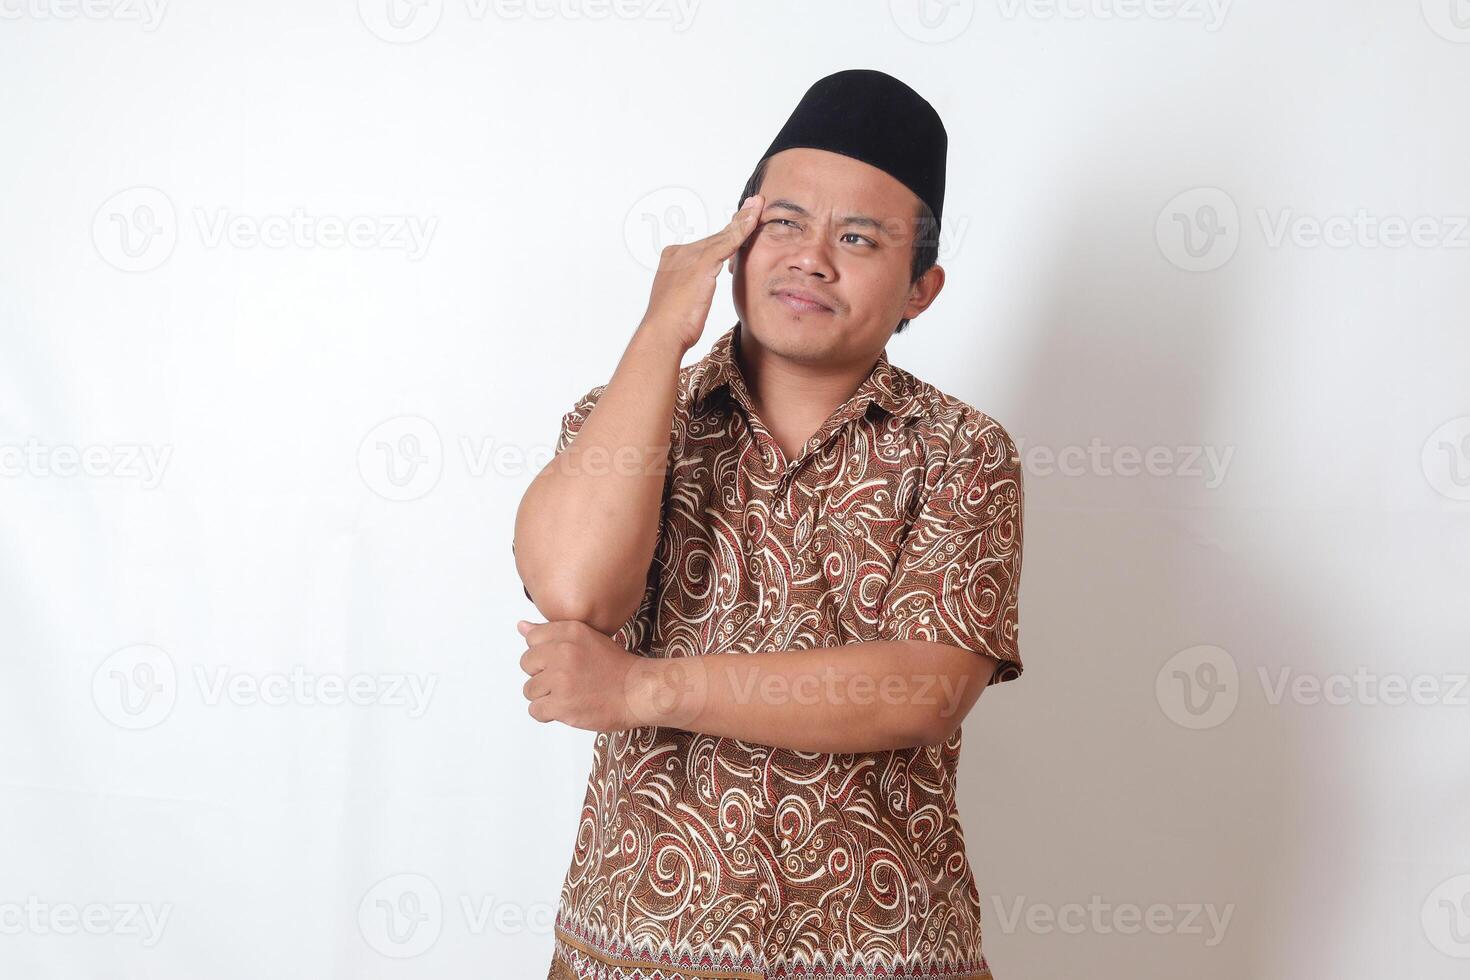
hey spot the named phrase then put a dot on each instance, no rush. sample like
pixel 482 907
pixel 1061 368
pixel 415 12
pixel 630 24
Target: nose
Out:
pixel 811 253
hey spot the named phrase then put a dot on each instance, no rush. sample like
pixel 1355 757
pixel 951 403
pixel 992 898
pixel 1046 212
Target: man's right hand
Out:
pixel 684 286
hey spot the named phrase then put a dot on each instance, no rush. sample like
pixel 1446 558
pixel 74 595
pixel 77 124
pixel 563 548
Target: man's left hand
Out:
pixel 579 676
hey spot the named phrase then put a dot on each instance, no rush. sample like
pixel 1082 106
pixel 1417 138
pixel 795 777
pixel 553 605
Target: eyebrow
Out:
pixel 861 220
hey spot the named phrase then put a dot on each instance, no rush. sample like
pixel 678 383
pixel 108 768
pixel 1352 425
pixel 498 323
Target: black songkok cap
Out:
pixel 873 117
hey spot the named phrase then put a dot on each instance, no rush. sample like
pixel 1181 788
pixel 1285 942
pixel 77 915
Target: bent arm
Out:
pixel 587 526
pixel 868 696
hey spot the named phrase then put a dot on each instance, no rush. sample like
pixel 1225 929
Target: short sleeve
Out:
pixel 958 575
pixel 571 424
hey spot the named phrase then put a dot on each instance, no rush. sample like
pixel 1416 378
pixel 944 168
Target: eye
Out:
pixel 783 221
pixel 869 241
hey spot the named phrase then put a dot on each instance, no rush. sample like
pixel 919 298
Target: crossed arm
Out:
pixel 581 528
pixel 860 697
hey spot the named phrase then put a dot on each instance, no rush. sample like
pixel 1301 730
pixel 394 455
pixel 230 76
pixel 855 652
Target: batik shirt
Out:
pixel 705 857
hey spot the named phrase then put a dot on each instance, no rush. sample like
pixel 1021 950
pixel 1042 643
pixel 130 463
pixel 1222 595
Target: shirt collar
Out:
pixel 887 386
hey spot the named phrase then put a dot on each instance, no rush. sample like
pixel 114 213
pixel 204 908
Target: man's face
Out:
pixel 843 231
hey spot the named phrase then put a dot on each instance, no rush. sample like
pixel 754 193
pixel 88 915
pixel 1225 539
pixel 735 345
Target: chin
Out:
pixel 790 337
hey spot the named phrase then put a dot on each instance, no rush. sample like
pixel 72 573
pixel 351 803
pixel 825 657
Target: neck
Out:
pixel 793 398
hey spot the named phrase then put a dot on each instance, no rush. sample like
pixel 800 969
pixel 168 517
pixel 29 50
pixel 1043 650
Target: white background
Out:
pixel 324 495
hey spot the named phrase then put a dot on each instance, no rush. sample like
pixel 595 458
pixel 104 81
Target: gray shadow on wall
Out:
pixel 1075 782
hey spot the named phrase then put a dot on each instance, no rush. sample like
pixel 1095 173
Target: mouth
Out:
pixel 801 301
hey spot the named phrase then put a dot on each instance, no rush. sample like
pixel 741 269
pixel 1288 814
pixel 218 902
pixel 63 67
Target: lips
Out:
pixel 804 301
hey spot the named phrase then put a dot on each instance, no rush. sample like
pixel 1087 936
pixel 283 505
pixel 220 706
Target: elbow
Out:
pixel 561 602
pixel 910 730
pixel 932 728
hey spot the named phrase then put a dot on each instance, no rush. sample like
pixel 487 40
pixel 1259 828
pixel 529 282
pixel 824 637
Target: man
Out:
pixel 775 582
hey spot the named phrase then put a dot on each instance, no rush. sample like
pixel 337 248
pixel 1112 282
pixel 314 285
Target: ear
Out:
pixel 924 292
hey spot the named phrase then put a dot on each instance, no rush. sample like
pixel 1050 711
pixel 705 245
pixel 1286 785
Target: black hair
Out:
pixel 926 237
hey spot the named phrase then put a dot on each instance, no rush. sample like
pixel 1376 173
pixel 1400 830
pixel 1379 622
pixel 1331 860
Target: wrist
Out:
pixel 661 339
pixel 669 692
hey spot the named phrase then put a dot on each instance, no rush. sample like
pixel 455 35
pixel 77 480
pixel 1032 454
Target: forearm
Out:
pixel 587 526
pixel 860 697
